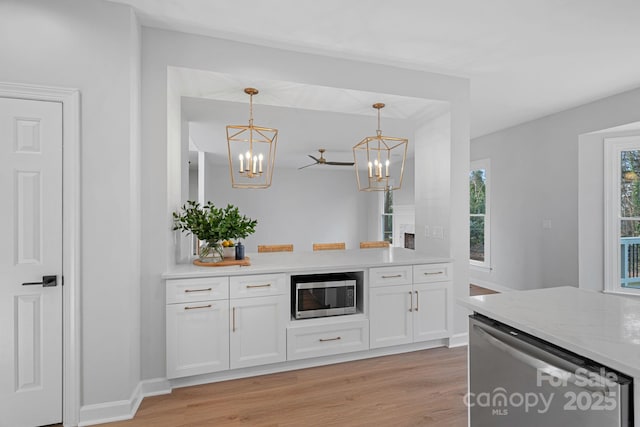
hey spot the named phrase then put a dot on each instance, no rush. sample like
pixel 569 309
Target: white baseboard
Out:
pixel 490 285
pixel 459 340
pixel 123 409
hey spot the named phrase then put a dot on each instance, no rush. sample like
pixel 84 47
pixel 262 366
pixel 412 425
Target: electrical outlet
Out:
pixel 438 232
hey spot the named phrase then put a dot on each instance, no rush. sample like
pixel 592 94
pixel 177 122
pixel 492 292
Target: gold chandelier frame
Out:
pixel 255 160
pixel 377 153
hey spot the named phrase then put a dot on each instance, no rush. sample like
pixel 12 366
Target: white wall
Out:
pixel 534 170
pixel 93 46
pixel 164 48
pixel 301 207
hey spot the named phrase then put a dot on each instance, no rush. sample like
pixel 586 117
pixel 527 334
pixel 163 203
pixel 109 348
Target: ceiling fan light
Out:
pixel 379 160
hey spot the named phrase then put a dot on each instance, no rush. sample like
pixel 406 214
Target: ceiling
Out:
pixel 525 58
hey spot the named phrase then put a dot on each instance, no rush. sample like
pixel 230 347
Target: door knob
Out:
pixel 47 282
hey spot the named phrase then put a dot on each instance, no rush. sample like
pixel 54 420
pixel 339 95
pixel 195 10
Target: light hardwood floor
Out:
pixel 423 388
pixel 477 290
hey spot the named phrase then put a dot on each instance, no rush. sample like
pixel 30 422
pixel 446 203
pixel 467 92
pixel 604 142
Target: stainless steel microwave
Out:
pixel 321 299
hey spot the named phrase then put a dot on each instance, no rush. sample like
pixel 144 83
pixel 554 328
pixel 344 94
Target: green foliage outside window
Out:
pixel 477 210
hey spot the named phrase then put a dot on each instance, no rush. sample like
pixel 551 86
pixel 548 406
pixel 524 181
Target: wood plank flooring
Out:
pixel 477 290
pixel 422 388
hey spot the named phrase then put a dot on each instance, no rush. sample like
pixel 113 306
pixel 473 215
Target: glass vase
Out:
pixel 211 252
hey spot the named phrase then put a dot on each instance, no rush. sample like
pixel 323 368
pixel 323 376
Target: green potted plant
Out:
pixel 212 226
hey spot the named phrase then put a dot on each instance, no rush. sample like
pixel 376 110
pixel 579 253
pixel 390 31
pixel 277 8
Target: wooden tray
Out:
pixel 227 262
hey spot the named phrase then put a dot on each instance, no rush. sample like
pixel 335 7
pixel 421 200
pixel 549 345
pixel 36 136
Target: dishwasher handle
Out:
pixel 548 368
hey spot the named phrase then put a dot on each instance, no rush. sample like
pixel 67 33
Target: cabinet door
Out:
pixel 258 330
pixel 390 315
pixel 197 338
pixel 431 311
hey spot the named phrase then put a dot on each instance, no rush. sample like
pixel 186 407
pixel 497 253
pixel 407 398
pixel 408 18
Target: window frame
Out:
pixel 383 214
pixel 613 147
pixel 486 165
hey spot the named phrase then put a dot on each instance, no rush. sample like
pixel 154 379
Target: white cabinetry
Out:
pixel 409 304
pixel 259 314
pixel 197 321
pixel 335 336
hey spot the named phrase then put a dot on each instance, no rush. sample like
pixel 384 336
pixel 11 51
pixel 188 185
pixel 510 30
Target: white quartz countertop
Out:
pixel 292 262
pixel 601 327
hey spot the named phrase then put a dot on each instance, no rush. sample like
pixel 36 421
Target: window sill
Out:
pixel 626 293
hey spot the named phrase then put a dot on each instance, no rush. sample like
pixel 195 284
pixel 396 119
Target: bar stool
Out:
pixel 328 246
pixel 376 244
pixel 275 248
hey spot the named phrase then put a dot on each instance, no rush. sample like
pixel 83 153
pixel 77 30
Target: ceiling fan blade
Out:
pixel 317 160
pixel 312 164
pixel 340 163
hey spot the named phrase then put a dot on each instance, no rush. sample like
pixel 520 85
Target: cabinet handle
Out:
pixel 233 319
pixel 395 276
pixel 411 305
pixel 434 273
pixel 259 286
pixel 329 339
pixel 417 301
pixel 200 306
pixel 197 290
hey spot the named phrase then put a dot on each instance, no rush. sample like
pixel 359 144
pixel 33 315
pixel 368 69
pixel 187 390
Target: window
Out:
pixel 387 216
pixel 479 219
pixel 622 214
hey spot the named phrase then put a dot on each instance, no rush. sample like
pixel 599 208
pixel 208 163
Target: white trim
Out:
pixel 459 340
pixel 486 165
pixel 123 409
pixel 612 149
pixel 71 243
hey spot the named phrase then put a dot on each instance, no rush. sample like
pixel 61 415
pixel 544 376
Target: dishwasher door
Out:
pixel 519 380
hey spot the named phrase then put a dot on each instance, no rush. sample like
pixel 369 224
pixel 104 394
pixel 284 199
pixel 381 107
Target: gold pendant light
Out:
pixel 252 151
pixel 379 160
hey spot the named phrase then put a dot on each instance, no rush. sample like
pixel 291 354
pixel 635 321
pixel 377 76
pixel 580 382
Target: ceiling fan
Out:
pixel 323 161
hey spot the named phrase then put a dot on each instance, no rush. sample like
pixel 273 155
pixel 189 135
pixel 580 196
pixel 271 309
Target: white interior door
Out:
pixel 30 248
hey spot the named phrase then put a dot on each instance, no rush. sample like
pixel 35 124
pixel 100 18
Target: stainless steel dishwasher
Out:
pixel 516 379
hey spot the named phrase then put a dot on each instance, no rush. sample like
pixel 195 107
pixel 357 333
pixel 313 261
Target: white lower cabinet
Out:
pixel 390 317
pixel 258 330
pixel 324 340
pixel 219 323
pixel 208 332
pixel 431 312
pixel 197 338
pixel 410 312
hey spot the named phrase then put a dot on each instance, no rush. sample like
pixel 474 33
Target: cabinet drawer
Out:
pixel 431 273
pixel 258 285
pixel 383 276
pixel 324 340
pixel 201 289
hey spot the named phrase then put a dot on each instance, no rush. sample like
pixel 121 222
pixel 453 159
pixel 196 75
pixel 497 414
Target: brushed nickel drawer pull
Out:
pixel 417 301
pixel 200 306
pixel 411 304
pixel 395 276
pixel 259 286
pixel 329 339
pixel 432 274
pixel 197 290
pixel 234 319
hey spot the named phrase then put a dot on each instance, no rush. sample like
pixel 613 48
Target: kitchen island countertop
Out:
pixel 294 262
pixel 601 327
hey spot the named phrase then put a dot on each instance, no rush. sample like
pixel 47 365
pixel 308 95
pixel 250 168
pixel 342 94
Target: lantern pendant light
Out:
pixel 379 160
pixel 252 151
